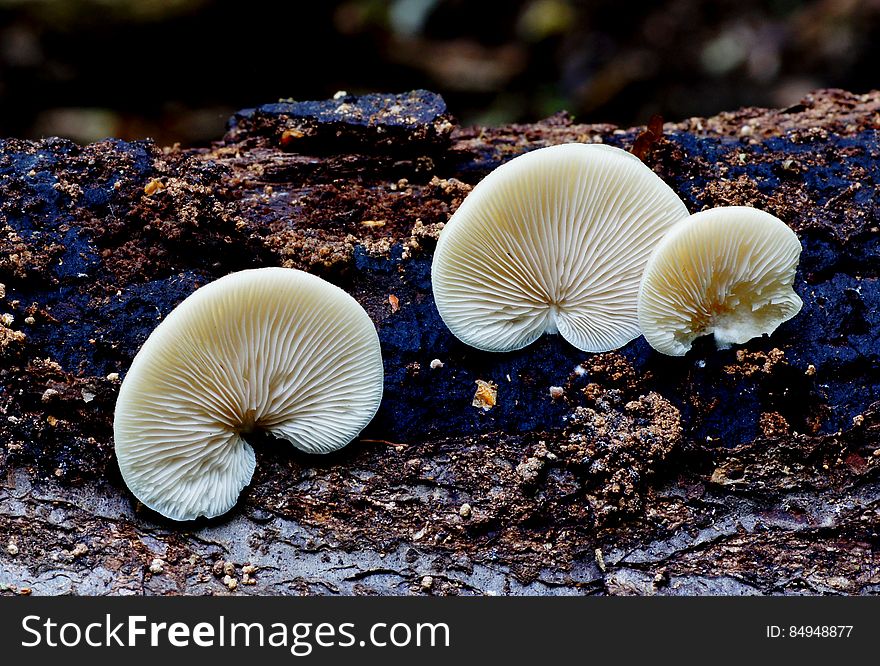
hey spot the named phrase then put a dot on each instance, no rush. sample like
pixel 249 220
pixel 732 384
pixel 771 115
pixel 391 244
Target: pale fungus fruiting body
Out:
pixel 273 349
pixel 553 241
pixel 727 272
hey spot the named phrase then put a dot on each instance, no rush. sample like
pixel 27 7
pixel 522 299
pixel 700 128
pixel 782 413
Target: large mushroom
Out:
pixel 273 349
pixel 553 241
pixel 725 271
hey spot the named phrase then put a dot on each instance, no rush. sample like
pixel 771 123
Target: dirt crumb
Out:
pixel 486 395
pixel 618 446
pixel 529 469
pixel 773 424
pixel 750 363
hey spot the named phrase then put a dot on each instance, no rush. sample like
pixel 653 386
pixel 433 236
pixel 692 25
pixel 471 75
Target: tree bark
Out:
pixel 745 471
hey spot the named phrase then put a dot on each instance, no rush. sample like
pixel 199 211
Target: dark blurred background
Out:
pixel 175 69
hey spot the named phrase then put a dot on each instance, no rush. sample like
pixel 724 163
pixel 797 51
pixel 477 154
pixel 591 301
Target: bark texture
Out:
pixel 747 471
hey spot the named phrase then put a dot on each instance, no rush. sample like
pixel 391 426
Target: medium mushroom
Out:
pixel 273 349
pixel 725 271
pixel 553 241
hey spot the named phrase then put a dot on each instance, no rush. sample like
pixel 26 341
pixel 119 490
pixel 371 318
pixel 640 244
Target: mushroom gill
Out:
pixel 273 349
pixel 553 241
pixel 726 272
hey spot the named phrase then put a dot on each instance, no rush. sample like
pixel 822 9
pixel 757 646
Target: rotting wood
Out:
pixel 752 470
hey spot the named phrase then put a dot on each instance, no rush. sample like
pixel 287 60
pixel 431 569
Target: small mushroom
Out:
pixel 553 241
pixel 273 349
pixel 725 271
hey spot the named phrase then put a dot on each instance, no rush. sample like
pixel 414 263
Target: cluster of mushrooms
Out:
pixel 580 240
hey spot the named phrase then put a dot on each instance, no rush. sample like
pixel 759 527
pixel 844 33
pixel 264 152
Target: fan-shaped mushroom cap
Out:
pixel 553 241
pixel 273 349
pixel 727 271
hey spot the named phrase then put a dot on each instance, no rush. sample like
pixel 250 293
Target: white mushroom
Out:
pixel 725 271
pixel 553 241
pixel 273 349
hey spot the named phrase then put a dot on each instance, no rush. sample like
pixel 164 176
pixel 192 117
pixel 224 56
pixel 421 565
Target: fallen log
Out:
pixel 745 471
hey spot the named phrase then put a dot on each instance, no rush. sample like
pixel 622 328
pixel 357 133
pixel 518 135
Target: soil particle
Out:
pixel 9 338
pixel 529 469
pixel 618 446
pixel 749 363
pixel 486 395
